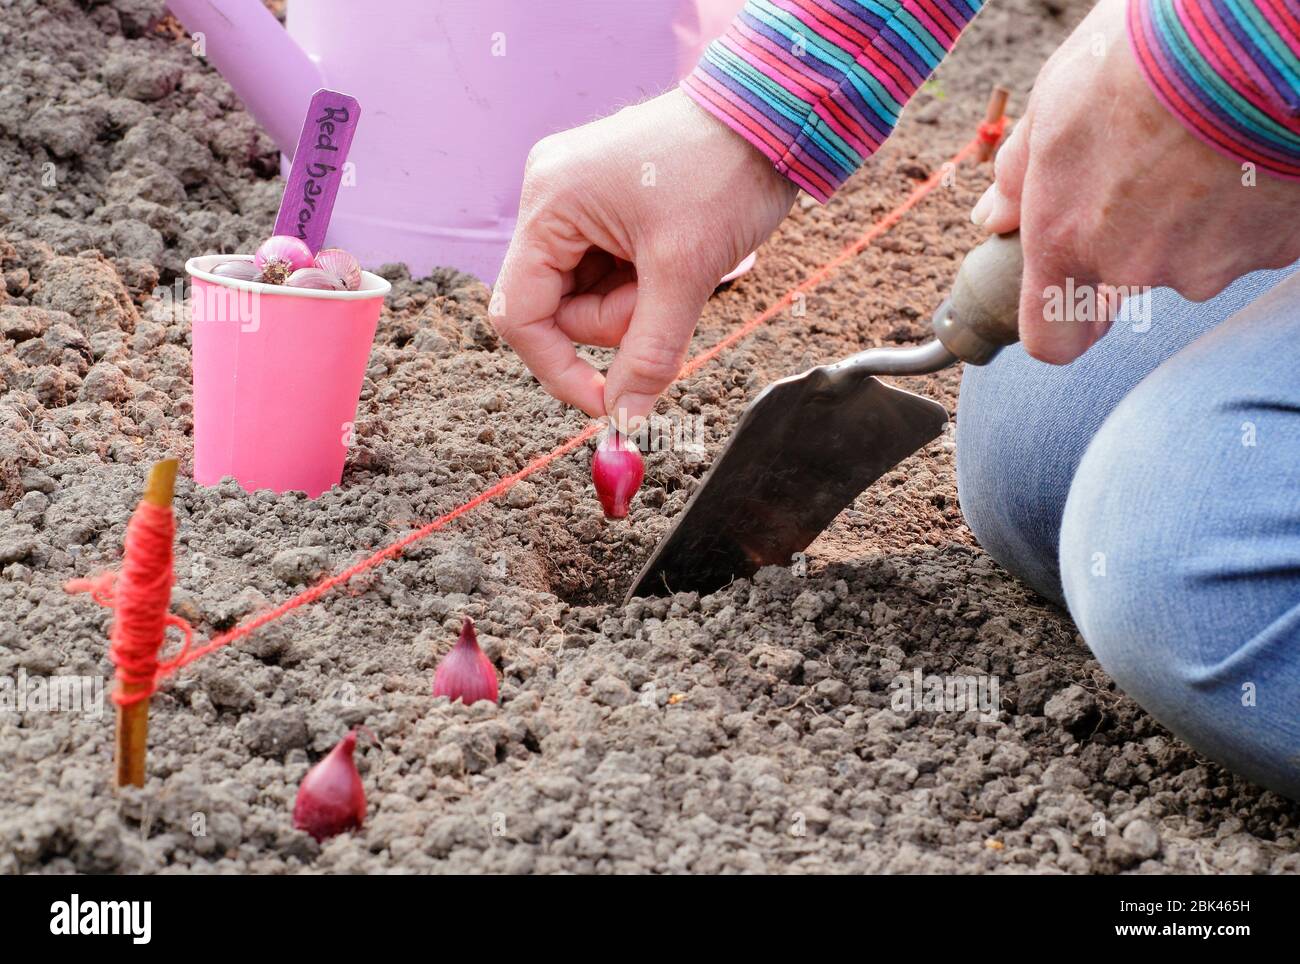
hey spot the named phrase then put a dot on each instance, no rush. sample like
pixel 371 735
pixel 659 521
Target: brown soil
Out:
pixel 749 730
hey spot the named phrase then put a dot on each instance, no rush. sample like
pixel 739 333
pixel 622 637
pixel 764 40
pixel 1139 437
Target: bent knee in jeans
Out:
pixel 1180 544
pixel 1151 487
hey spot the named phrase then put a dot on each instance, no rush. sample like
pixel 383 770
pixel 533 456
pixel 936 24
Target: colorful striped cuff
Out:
pixel 817 85
pixel 1229 70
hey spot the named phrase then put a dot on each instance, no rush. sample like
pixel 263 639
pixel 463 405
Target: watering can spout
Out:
pixel 257 57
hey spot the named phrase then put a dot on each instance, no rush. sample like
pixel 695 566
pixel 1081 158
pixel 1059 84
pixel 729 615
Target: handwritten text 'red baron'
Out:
pixel 318 172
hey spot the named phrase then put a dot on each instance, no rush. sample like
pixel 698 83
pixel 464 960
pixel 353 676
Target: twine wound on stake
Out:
pixel 990 132
pixel 139 595
pixel 994 123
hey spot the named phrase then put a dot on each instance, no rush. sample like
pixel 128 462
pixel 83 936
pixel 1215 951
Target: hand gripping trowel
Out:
pixel 809 444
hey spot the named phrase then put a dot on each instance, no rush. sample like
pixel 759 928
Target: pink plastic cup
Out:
pixel 277 375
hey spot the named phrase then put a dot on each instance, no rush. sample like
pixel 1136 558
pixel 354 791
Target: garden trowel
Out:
pixel 809 444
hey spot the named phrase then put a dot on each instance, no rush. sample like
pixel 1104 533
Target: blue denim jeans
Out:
pixel 1153 488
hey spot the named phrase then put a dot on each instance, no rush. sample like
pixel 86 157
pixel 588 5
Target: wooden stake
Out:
pixel 995 111
pixel 133 719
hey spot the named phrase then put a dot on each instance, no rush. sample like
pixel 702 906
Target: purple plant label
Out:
pixel 318 167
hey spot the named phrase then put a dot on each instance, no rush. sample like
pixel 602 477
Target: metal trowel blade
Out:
pixel 803 451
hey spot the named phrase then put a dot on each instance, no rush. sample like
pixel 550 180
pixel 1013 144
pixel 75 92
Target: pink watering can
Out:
pixel 453 94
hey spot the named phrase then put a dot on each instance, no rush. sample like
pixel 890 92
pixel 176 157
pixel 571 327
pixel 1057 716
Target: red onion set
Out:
pixel 284 260
pixel 465 673
pixel 616 471
pixel 331 799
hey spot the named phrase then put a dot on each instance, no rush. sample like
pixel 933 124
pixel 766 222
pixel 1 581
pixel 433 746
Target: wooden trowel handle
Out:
pixel 982 314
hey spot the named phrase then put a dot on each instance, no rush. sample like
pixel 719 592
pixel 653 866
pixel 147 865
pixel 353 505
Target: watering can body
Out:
pixel 453 94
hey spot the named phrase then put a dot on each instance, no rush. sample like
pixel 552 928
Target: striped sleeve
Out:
pixel 817 85
pixel 1229 70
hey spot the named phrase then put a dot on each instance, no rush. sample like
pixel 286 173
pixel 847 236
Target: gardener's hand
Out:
pixel 1107 186
pixel 625 227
